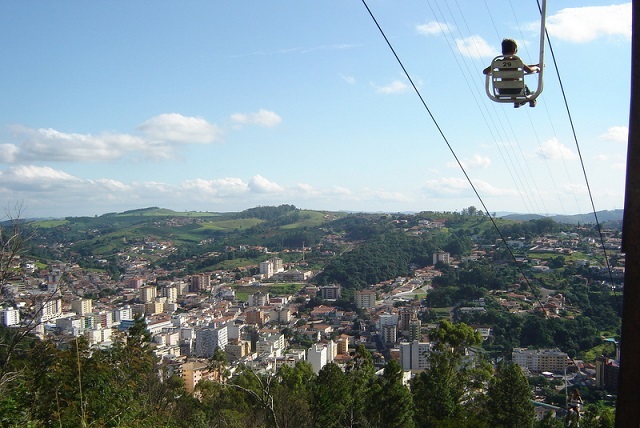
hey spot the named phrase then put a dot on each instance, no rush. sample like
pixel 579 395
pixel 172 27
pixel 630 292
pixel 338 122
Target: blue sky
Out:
pixel 223 106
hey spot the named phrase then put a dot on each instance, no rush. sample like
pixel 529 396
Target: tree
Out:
pixel 438 393
pixel 392 404
pixel 292 395
pixel 331 397
pixel 509 398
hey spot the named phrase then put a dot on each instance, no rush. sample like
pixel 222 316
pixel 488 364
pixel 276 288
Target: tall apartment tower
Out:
pixel 415 325
pixel 441 256
pixel 49 308
pixel 365 299
pixel 148 293
pixel 201 282
pixel 82 306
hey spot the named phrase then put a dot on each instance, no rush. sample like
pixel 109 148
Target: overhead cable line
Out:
pixel 437 125
pixel 522 185
pixel 584 170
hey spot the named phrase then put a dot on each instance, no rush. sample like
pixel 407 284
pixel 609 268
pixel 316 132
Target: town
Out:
pixel 276 313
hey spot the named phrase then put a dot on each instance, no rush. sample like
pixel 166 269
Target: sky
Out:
pixel 223 106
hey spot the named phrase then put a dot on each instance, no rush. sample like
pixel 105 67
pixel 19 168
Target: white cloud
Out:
pixel 477 161
pixel 349 79
pixel 160 135
pixel 8 153
pixel 584 24
pixel 259 184
pixel 618 134
pixel 263 117
pixel 52 145
pixel 218 187
pixel 338 190
pixel 449 186
pixel 391 196
pixel 434 28
pixel 174 127
pixel 34 178
pixel 554 150
pixel 475 47
pixel 394 87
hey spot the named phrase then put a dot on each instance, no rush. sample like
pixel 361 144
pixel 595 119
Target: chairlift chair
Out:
pixel 505 82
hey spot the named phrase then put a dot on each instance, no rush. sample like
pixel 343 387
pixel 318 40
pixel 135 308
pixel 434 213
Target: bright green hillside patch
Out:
pixel 312 219
pixel 46 224
pixel 235 224
pixel 163 212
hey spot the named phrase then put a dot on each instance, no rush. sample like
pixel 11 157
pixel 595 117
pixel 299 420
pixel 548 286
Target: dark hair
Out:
pixel 509 46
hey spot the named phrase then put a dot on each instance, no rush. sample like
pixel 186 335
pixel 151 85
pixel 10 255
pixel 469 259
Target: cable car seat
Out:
pixel 505 81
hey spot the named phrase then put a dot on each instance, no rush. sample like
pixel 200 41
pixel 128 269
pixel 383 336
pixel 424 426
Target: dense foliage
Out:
pixel 125 386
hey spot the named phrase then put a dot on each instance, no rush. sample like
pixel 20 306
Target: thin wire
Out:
pixel 435 122
pixel 584 170
pixel 520 182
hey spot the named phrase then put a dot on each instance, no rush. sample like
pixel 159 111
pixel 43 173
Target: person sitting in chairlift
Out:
pixel 509 50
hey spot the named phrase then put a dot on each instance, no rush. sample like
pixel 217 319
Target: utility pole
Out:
pixel 627 408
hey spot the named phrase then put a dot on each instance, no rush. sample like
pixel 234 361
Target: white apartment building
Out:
pixel 414 355
pixel 49 308
pixel 387 319
pixel 271 266
pixel 317 357
pixel 540 360
pixel 10 317
pixel 208 339
pixel 123 313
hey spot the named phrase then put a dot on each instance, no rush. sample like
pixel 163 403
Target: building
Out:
pixel 607 373
pixel 270 267
pixel 389 333
pixel 317 357
pixel 123 313
pixel 365 299
pixel 442 257
pixel 414 355
pixel 48 308
pixel 256 316
pixel 82 306
pixel 200 283
pixel 10 317
pixel 542 360
pixel 237 349
pixel 293 275
pixel 320 354
pixel 258 299
pixel 266 269
pixel 148 293
pixel 171 293
pixel 330 292
pixel 193 372
pixel 387 319
pixel 280 314
pixel 208 339
pixel 415 328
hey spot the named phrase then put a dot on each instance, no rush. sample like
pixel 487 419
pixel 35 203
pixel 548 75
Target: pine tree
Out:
pixel 509 398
